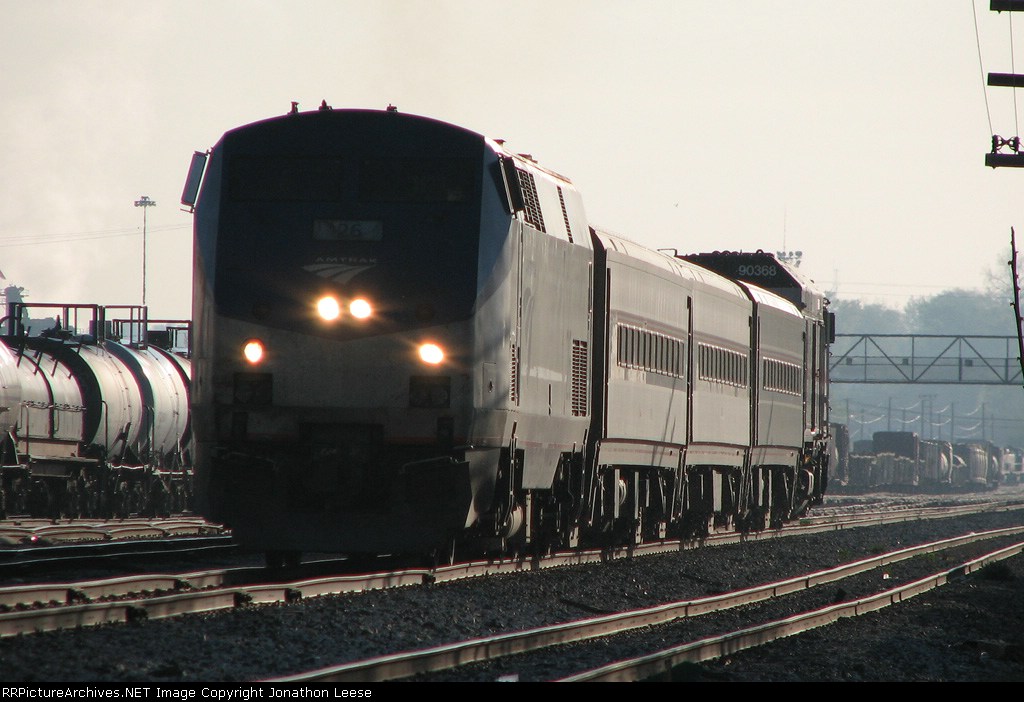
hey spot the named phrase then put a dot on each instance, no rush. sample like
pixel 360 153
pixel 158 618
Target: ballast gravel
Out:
pixel 970 630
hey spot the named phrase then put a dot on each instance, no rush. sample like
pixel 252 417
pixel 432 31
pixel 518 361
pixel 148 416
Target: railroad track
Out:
pixel 55 606
pixel 498 651
pixel 669 663
pixel 30 545
pixel 34 531
pixel 256 643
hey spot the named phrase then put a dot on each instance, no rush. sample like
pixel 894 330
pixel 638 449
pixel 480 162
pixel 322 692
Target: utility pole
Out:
pixel 1016 299
pixel 996 158
pixel 145 203
pixel 1015 159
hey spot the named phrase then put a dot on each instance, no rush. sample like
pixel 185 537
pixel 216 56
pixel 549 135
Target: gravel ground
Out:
pixel 970 630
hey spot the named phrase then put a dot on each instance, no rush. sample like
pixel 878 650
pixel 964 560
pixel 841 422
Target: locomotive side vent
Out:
pixel 565 215
pixel 531 213
pixel 781 376
pixel 579 378
pixel 513 385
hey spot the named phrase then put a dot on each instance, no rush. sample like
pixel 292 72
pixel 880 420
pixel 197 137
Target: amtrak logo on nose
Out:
pixel 338 272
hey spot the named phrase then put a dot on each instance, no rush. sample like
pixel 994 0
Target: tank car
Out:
pixel 936 463
pixel 901 460
pixel 1012 466
pixel 976 464
pixel 94 427
pixel 409 337
pixel 898 454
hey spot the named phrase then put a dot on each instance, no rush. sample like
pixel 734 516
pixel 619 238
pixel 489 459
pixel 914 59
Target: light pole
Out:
pixel 144 202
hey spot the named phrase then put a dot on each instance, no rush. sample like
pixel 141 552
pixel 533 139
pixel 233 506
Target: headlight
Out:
pixel 431 353
pixel 328 308
pixel 360 308
pixel 253 351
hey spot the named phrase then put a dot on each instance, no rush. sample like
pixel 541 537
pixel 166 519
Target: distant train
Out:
pixel 901 460
pixel 410 338
pixel 94 424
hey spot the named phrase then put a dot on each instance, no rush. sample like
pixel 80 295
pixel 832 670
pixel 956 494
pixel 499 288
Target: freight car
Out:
pixel 1012 466
pixel 95 423
pixel 409 337
pixel 977 464
pixel 901 460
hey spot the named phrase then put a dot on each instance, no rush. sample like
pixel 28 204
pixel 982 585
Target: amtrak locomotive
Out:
pixel 409 337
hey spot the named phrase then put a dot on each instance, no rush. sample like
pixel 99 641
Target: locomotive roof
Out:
pixel 523 160
pixel 765 271
pixel 669 263
pixel 770 299
pixel 329 112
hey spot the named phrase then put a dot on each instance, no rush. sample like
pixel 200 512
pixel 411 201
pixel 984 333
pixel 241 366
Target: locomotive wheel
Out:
pixel 756 519
pixel 782 496
pixel 697 523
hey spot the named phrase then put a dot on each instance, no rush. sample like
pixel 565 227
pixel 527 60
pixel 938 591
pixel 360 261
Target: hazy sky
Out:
pixel 852 130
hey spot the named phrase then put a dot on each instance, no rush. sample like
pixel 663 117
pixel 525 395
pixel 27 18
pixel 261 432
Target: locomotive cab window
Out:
pixel 285 179
pixel 419 180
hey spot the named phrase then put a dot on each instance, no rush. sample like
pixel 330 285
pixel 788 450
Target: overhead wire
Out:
pixel 1013 70
pixel 860 416
pixel 981 66
pixel 36 239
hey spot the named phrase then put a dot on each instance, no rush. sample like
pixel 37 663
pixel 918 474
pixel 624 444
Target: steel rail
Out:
pixel 37 531
pixel 22 560
pixel 444 657
pixel 659 665
pixel 67 605
pixel 806 525
pixel 213 589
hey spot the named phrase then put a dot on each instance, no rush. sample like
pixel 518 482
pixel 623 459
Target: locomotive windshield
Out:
pixel 416 180
pixel 285 179
pixel 311 179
